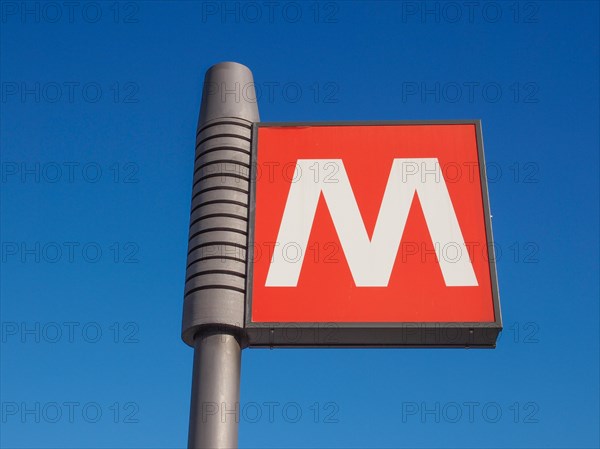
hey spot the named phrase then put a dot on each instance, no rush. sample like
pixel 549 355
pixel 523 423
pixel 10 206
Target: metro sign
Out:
pixel 370 234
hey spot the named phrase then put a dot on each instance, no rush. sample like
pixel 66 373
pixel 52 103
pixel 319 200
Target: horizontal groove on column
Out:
pixel 210 263
pixel 237 259
pixel 220 195
pixel 225 229
pixel 227 272
pixel 224 175
pixel 224 128
pixel 238 225
pixel 209 189
pixel 222 161
pixel 223 182
pixel 214 287
pixel 245 124
pixel 204 217
pixel 234 136
pixel 221 148
pixel 207 203
pixel 216 243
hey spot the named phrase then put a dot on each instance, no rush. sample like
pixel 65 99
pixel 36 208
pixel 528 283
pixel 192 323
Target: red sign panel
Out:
pixel 371 229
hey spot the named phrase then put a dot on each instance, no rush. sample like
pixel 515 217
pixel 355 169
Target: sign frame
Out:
pixel 371 334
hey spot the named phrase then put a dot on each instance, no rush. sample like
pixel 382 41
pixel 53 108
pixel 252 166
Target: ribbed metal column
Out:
pixel 213 313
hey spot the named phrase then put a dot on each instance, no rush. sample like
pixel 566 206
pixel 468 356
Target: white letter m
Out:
pixel 370 260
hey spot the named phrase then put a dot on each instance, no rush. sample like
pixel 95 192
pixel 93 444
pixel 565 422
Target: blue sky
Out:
pixel 99 110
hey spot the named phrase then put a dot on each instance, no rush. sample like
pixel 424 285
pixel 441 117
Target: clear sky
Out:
pixel 99 109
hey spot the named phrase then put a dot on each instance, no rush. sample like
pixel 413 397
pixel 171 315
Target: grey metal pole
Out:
pixel 213 311
pixel 214 411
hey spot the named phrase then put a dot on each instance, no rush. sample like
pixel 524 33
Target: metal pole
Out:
pixel 214 412
pixel 213 310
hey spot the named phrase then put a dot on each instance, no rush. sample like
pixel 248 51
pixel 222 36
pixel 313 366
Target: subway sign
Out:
pixel 370 234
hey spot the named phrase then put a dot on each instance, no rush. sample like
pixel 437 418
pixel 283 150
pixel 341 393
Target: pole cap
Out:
pixel 228 91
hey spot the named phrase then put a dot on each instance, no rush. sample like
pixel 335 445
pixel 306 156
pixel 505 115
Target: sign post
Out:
pixel 213 313
pixel 347 234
